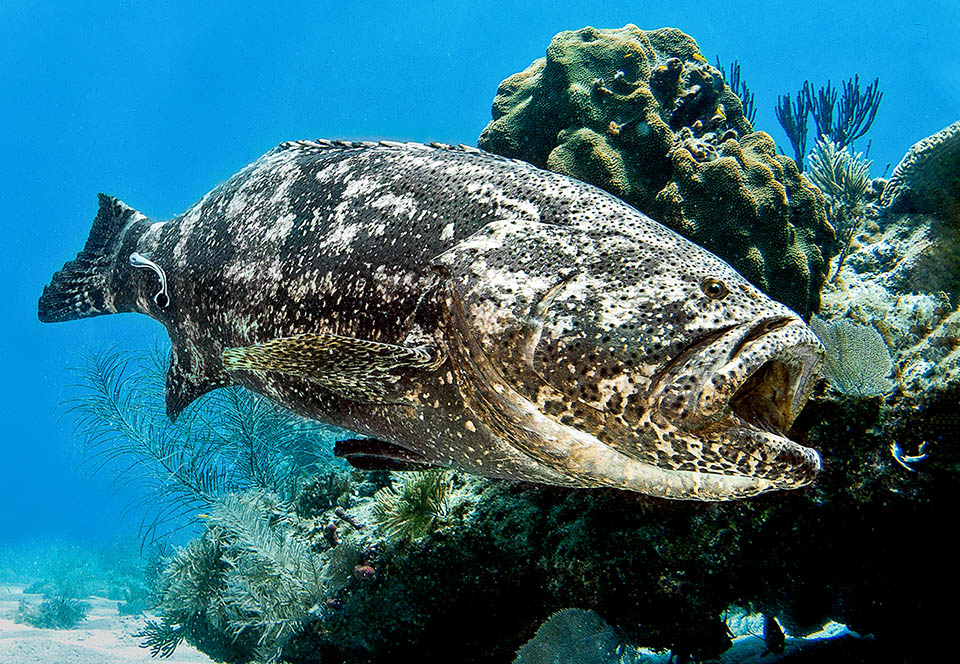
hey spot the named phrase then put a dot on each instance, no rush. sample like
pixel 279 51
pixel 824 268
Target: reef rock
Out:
pixel 927 179
pixel 903 278
pixel 643 115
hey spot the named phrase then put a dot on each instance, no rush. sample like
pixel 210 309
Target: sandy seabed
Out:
pixel 104 637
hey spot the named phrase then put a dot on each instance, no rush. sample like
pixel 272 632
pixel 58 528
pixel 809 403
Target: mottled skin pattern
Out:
pixel 577 342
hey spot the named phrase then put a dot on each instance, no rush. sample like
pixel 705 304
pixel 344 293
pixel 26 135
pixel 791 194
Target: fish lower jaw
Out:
pixel 702 486
pixel 769 453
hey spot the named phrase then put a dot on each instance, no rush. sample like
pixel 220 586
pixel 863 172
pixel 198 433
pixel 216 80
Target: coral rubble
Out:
pixel 643 115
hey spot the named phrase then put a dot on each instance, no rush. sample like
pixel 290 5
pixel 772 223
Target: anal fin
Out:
pixel 355 369
pixel 373 454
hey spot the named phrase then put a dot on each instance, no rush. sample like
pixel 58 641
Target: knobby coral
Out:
pixel 927 179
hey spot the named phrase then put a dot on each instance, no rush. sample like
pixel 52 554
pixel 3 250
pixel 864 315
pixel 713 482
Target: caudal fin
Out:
pixel 82 287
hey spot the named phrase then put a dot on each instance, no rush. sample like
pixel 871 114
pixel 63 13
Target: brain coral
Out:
pixel 643 115
pixel 927 179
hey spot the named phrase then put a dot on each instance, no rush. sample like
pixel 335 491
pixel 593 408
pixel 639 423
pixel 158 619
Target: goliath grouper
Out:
pixel 464 310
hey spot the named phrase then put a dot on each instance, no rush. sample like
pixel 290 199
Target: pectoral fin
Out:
pixel 355 369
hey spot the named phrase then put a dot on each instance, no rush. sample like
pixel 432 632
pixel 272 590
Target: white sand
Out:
pixel 104 637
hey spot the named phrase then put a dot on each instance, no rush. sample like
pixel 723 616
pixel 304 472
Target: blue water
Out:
pixel 158 102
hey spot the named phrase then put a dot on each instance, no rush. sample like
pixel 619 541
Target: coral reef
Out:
pixel 900 272
pixel 904 280
pixel 927 179
pixel 643 115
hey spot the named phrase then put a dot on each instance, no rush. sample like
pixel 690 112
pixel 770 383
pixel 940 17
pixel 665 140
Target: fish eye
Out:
pixel 714 288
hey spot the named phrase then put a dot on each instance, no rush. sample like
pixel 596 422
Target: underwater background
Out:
pixel 157 102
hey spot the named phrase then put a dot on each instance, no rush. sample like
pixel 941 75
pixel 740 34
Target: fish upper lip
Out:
pixel 761 381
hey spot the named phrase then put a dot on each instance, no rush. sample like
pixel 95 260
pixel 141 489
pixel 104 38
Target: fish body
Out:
pixel 464 310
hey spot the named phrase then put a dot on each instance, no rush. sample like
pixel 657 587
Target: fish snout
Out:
pixel 764 369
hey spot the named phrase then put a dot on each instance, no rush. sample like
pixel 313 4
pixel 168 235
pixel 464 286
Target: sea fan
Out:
pixel 573 635
pixel 858 360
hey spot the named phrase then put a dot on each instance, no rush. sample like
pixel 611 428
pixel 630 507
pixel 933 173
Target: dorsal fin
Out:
pixel 189 378
pixel 324 144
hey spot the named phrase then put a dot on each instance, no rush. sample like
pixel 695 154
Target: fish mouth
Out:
pixel 740 393
pixel 764 400
pixel 761 374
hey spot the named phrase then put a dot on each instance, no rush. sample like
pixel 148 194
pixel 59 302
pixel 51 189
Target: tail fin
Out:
pixel 82 287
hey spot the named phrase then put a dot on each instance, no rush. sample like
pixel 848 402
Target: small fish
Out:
pixel 906 460
pixel 464 310
pixel 615 128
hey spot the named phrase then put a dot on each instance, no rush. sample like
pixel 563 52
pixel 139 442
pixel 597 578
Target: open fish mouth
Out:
pixel 763 374
pixel 764 400
pixel 767 394
pixel 740 393
pixel 754 436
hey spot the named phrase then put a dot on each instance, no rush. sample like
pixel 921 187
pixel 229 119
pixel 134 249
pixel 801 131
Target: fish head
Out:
pixel 674 375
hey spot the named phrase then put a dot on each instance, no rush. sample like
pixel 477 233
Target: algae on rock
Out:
pixel 643 115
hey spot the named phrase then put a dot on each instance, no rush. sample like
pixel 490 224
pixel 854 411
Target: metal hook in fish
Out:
pixel 139 260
